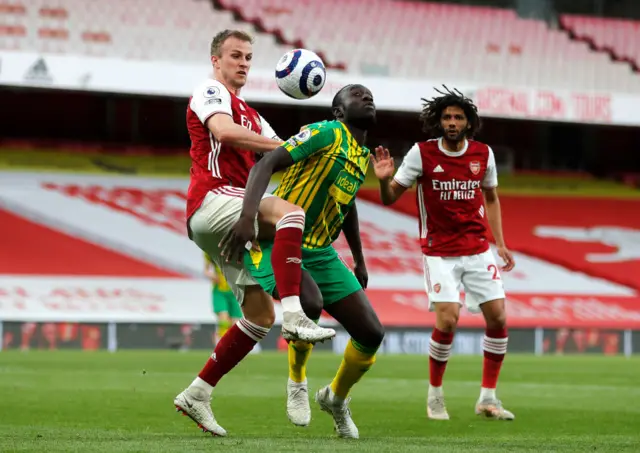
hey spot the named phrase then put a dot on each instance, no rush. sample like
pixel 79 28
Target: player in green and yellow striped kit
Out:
pixel 325 166
pixel 225 305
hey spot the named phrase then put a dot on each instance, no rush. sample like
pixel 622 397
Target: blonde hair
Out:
pixel 219 39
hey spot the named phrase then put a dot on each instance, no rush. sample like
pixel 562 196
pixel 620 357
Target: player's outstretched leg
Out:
pixel 495 348
pixel 195 400
pixel 286 261
pixel 356 315
pixel 439 351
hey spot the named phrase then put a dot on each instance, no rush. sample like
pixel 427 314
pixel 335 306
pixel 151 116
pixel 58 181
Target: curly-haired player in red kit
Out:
pixel 457 201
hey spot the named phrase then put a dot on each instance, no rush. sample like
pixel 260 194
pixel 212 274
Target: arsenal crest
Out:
pixel 437 287
pixel 474 167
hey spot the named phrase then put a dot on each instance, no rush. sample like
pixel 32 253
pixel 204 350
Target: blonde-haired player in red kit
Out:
pixel 226 136
pixel 456 196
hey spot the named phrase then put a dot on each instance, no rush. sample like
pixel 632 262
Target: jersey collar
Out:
pixel 453 153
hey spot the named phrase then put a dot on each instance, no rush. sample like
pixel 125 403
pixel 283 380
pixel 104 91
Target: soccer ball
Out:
pixel 300 74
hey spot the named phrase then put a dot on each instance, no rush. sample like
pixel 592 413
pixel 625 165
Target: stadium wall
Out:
pixel 181 337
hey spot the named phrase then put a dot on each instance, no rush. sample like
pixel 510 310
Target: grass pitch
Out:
pixel 122 402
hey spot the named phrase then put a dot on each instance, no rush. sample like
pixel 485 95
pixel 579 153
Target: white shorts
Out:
pixel 219 211
pixel 477 274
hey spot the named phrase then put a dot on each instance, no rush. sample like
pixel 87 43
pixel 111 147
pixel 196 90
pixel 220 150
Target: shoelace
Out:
pixel 496 403
pixel 296 392
pixel 305 322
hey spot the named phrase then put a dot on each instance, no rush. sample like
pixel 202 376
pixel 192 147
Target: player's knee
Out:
pixel 373 335
pixel 258 308
pixel 269 319
pixel 497 321
pixel 448 320
pixel 274 211
pixel 377 334
pixel 290 208
pixel 495 314
pixel 291 215
pixel 285 211
pixel 264 319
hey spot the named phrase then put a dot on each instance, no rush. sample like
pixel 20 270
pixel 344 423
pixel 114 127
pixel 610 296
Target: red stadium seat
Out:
pixel 618 36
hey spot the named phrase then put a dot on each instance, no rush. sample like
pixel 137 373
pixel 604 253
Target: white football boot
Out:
pixel 298 409
pixel 340 412
pixel 436 409
pixel 196 404
pixel 492 408
pixel 297 326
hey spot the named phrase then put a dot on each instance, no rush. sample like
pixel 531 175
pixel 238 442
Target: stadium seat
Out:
pixel 619 36
pixel 489 45
pixel 159 30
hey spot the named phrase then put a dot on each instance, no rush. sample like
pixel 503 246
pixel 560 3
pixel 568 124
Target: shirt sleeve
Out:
pixel 309 141
pixel 267 130
pixel 491 175
pixel 209 98
pixel 410 169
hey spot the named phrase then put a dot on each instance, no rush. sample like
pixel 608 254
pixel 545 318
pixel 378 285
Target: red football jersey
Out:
pixel 214 164
pixel 449 195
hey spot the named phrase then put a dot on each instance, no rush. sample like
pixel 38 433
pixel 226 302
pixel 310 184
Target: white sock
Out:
pixel 199 386
pixel 487 394
pixel 291 303
pixel 435 391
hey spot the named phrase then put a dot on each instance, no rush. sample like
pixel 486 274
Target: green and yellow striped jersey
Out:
pixel 329 169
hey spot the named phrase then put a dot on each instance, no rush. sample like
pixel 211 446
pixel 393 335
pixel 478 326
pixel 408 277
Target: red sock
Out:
pixel 231 349
pixel 286 256
pixel 495 347
pixel 439 351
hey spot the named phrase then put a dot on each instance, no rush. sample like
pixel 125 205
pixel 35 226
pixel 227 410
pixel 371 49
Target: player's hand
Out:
pixel 239 238
pixel 507 257
pixel 360 271
pixel 383 165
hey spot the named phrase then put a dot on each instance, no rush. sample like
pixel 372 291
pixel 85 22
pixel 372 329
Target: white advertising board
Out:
pixel 177 79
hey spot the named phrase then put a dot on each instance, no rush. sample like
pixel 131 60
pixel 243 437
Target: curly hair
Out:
pixel 432 112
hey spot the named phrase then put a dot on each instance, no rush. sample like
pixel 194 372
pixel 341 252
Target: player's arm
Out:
pixel 351 230
pixel 390 191
pixel 392 187
pixel 211 102
pixel 297 148
pixel 494 212
pixel 230 133
pixel 267 131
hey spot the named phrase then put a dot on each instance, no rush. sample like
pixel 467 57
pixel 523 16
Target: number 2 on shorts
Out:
pixel 493 268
